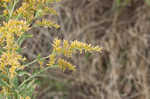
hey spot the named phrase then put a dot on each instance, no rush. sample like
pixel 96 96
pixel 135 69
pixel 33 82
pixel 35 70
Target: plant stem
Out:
pixel 12 9
pixel 34 61
pixel 35 75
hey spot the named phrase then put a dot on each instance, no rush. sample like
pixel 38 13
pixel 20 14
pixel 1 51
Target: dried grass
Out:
pixel 122 71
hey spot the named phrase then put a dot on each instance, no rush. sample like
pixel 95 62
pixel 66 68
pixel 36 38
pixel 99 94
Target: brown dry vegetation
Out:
pixel 122 70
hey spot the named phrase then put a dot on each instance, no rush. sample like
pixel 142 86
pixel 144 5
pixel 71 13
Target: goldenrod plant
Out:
pixel 18 17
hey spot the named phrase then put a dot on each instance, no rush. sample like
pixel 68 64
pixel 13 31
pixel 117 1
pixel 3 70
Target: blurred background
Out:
pixel 121 27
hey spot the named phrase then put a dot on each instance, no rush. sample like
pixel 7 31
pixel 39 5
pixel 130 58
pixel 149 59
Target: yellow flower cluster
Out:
pixel 11 29
pixel 16 26
pixel 32 9
pixel 83 46
pixel 65 65
pixel 26 11
pixel 10 58
pixel 47 23
pixel 52 60
pixel 68 49
pixel 57 46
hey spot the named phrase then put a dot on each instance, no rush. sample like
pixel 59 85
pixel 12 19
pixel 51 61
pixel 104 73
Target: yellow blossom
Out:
pixel 66 49
pixel 52 59
pixel 65 65
pixel 47 23
pixel 17 27
pixel 83 46
pixel 12 60
pixel 57 46
pixel 29 9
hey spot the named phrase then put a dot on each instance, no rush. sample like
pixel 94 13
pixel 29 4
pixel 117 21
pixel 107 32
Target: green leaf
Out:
pixel 27 35
pixel 87 55
pixel 23 37
pixel 15 81
pixel 19 50
pixel 28 88
pixel 2 76
pixel 3 83
pixel 39 57
pixel 1 51
pixel 22 73
pixel 9 97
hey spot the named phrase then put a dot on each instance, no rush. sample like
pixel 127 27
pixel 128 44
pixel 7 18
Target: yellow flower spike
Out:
pixel 52 59
pixel 83 46
pixel 66 49
pixel 56 26
pixel 65 65
pixel 57 43
pixel 57 46
pixel 47 23
pixel 98 49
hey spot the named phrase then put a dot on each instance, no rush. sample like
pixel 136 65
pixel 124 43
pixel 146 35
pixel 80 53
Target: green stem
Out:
pixel 35 75
pixel 12 9
pixel 34 61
